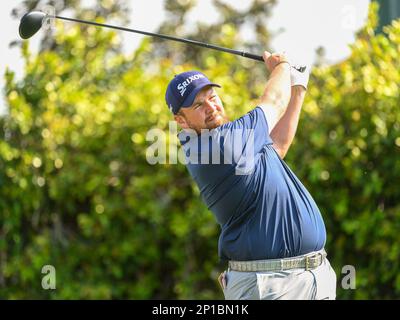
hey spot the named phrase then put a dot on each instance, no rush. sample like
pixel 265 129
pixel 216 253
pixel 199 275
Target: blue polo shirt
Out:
pixel 263 209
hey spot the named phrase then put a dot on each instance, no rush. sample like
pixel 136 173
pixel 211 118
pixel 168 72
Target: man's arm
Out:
pixel 285 130
pixel 283 133
pixel 277 90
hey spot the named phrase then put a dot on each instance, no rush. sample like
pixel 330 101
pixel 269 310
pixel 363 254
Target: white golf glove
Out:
pixel 299 75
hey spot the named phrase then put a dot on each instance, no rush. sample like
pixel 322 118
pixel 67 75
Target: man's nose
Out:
pixel 210 106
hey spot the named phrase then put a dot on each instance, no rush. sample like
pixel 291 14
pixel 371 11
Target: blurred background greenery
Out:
pixel 76 191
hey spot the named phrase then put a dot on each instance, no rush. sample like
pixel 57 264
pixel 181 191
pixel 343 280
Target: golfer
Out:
pixel 272 232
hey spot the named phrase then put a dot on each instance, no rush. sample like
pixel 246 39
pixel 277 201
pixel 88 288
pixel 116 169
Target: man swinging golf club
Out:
pixel 272 232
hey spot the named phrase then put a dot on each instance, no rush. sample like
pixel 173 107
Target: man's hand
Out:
pixel 298 78
pixel 272 60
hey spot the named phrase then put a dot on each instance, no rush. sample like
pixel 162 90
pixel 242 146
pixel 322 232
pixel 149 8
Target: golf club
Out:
pixel 31 23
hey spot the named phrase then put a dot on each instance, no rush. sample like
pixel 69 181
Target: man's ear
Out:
pixel 181 121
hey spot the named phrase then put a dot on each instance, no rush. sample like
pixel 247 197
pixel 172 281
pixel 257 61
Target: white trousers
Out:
pixel 295 284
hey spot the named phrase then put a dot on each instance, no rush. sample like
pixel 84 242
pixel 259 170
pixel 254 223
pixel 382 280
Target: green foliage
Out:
pixel 347 151
pixel 230 30
pixel 77 192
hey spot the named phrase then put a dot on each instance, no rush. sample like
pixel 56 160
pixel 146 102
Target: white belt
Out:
pixel 308 261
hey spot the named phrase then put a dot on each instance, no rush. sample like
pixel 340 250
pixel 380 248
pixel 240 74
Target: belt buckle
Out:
pixel 314 261
pixel 322 258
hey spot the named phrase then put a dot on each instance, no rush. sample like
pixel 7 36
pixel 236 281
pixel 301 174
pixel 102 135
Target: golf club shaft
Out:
pixel 197 43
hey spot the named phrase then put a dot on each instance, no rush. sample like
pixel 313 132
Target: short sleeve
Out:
pixel 252 125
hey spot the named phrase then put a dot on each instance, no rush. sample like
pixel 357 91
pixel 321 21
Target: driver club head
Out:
pixel 31 23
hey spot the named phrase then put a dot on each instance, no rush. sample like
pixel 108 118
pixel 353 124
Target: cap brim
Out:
pixel 189 100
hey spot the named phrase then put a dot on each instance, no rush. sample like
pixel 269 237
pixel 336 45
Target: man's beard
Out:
pixel 218 120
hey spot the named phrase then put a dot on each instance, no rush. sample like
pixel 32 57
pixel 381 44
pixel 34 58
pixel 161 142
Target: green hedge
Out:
pixel 347 151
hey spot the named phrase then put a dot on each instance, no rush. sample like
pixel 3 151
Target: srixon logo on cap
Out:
pixel 182 86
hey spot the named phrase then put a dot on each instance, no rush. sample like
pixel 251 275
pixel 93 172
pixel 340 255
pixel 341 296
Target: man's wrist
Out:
pixel 298 90
pixel 282 62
